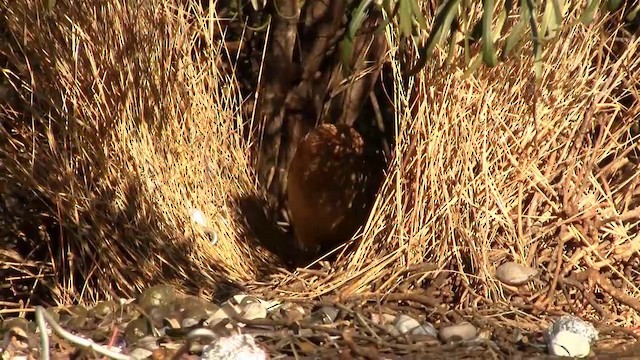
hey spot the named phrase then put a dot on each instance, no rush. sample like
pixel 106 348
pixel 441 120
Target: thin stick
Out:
pixel 42 316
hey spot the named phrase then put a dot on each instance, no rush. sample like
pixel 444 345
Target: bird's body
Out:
pixel 330 187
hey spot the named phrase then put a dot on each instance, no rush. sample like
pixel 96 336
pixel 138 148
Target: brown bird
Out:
pixel 331 185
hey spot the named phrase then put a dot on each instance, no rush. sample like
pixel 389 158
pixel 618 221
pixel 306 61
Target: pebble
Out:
pixel 567 343
pixel 571 336
pixel 392 330
pixel 407 325
pixel 514 274
pixel 236 347
pixel 425 329
pixel 326 314
pixel 254 311
pixel 157 296
pixel 463 331
pixel 383 319
pixel 225 312
pixel 197 217
pixel 140 353
pixel 576 325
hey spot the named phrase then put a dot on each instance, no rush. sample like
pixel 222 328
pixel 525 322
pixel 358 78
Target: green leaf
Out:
pixel 556 16
pixel 346 53
pixel 631 16
pixel 537 46
pixel 502 19
pixel 546 18
pixel 404 17
pixel 417 12
pixel 386 6
pixel 357 18
pixel 475 64
pixel 518 29
pixel 441 26
pixel 452 45
pixel 488 51
pixel 587 17
pixel 613 5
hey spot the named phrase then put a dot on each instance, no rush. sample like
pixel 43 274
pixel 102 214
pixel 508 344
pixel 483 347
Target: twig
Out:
pixel 366 352
pixel 597 278
pixel 43 317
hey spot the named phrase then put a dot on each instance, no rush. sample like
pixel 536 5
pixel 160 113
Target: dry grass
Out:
pixel 478 180
pixel 130 125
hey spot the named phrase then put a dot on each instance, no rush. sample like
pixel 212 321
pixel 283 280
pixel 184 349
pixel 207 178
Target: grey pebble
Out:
pixel 463 331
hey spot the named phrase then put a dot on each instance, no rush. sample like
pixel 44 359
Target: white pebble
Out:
pixel 567 343
pixel 254 310
pixel 140 353
pixel 512 273
pixel 405 323
pixel 576 325
pixel 463 331
pixel 425 329
pixel 236 347
pixel 571 336
pixel 197 216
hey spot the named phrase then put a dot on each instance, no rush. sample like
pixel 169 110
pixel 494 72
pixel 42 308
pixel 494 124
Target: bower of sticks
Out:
pixel 118 122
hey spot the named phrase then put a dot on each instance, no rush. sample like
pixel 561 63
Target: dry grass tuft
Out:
pixel 124 126
pixel 477 179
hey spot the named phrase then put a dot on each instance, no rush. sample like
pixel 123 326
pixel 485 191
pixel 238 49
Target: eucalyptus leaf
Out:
pixel 518 29
pixel 631 16
pixel 587 16
pixel 613 5
pixel 405 17
pixel 417 13
pixel 357 18
pixel 441 26
pixel 346 53
pixel 537 45
pixel 488 51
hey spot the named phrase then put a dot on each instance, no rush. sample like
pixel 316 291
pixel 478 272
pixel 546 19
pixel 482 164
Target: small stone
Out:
pixel 249 300
pixel 137 329
pixel 197 217
pixel 194 310
pixel 459 332
pixel 405 324
pixel 425 329
pixel 576 325
pixel 157 296
pixel 382 319
pixel 140 353
pixel 234 347
pixel 75 316
pixel 567 343
pixel 514 274
pixel 326 314
pixel 18 325
pixel 104 309
pixel 291 312
pixel 254 311
pixel 225 312
pixel 392 330
pixel 571 336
